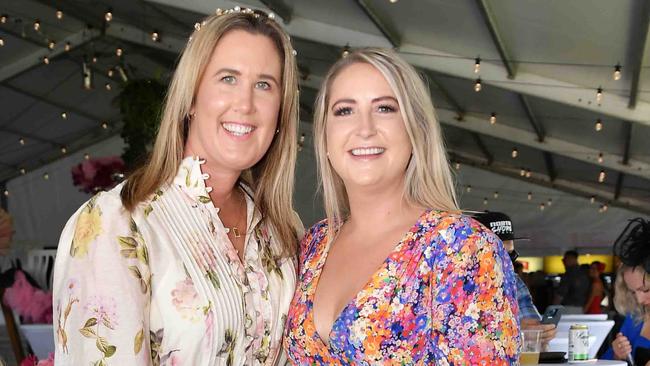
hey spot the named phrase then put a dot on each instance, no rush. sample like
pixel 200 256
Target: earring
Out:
pixel 277 131
pixel 191 116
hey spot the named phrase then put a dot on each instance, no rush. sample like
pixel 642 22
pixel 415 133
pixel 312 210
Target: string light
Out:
pixel 22 171
pixel 87 74
pixel 393 1
pixel 457 166
pixel 485 201
pixel 600 158
pixel 599 95
pixel 94 59
pixel 21 141
pixel 541 207
pixel 118 52
pixel 110 72
pixel 67 47
pixel 604 207
pixel 108 86
pixel 496 194
pixel 63 150
pixel 86 156
pixel 477 85
pixel 346 51
pixel 601 176
pixel 46 60
pixel 549 202
pixel 477 65
pixel 3 18
pixel 522 172
pixel 64 115
pixel 599 125
pixel 617 72
pixel 592 199
pixel 51 45
pixel 59 14
pixel 104 125
pixel 6 193
pixel 46 176
pixel 530 196
pixel 2 42
pixel 109 15
pixel 469 189
pixel 37 25
pixel 600 209
pixel 514 153
pixel 528 174
pixel 493 118
pixel 155 36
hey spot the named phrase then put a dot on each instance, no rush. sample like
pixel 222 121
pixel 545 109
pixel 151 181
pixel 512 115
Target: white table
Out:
pixel 595 363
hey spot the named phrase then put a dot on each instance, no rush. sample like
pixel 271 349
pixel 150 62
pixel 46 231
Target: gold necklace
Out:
pixel 234 229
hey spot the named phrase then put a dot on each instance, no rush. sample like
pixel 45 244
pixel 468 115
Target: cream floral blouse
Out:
pixel 164 285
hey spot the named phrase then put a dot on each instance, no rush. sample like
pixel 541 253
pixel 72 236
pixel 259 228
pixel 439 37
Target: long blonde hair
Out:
pixel 272 178
pixel 429 181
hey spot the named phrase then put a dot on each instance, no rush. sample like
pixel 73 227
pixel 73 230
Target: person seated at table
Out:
pixel 632 296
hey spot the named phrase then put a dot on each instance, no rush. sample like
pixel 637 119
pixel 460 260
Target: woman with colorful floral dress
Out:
pixel 191 260
pixel 395 275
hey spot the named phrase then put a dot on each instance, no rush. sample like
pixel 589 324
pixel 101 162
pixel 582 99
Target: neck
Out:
pixel 369 206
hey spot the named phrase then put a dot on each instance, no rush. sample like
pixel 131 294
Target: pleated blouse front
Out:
pixel 164 285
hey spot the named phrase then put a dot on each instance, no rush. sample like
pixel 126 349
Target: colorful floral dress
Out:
pixel 444 296
pixel 164 285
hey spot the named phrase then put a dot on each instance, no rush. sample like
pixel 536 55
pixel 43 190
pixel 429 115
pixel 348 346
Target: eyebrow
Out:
pixel 226 70
pixel 375 100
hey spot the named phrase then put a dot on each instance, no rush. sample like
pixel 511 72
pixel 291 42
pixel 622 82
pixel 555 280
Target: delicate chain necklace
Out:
pixel 234 229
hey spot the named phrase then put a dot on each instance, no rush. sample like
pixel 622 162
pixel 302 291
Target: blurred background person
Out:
pixel 632 295
pixel 574 288
pixel 593 304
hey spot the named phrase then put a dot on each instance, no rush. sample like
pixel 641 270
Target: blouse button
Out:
pixel 205 176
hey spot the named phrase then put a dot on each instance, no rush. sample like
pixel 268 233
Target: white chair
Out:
pixel 40 263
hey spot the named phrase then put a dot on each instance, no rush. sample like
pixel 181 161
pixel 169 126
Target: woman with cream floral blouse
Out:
pixel 395 275
pixel 191 260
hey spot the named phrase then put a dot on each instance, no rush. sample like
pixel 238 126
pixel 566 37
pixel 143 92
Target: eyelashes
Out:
pixel 346 111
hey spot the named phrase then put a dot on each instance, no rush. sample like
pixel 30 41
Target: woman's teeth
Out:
pixel 368 151
pixel 237 129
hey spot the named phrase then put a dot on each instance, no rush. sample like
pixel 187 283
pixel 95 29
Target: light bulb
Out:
pixel 477 65
pixel 67 46
pixel 37 25
pixel 477 85
pixel 59 14
pixel 528 173
pixel 110 72
pixel 599 125
pixel 104 125
pixel 541 207
pixel 46 60
pixel 617 72
pixel 2 42
pixel 514 153
pixel 86 156
pixel 469 189
pixel 522 172
pixel 46 176
pixel 155 36
pixel 599 95
pixel 64 150
pixel 485 201
pixel 108 86
pixel 549 202
pixel 118 52
pixel 51 45
pixel 23 171
pixel 530 196
pixel 64 115
pixel 457 166
pixel 3 18
pixel 108 16
pixel 496 194
pixel 601 176
pixel 493 118
pixel 21 141
pixel 600 158
pixel 592 199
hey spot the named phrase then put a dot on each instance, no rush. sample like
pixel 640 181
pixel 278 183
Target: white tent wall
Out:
pixel 40 208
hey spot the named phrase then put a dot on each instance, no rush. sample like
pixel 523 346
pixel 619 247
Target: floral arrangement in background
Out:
pixel 94 175
pixel 32 304
pixel 31 360
pixel 6 232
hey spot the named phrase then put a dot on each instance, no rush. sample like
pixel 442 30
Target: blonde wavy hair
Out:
pixel 272 178
pixel 624 300
pixel 429 180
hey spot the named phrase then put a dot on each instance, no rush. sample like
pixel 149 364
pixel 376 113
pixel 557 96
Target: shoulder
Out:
pixel 313 239
pixel 458 231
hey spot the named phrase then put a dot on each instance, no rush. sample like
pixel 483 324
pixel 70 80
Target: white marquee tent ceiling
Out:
pixel 541 65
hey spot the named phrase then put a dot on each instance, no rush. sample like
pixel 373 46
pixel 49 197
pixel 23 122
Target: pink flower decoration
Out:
pixel 94 175
pixel 30 360
pixel 48 362
pixel 33 304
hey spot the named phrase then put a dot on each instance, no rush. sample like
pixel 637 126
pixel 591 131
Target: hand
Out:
pixel 548 330
pixel 621 346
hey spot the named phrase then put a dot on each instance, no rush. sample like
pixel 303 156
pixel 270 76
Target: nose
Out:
pixel 244 102
pixel 367 127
